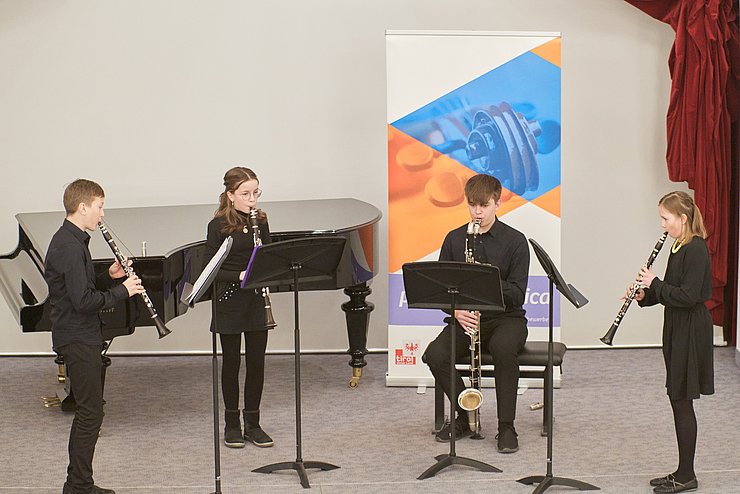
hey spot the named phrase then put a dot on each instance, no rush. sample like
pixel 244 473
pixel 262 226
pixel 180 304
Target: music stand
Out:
pixel 288 263
pixel 453 285
pixel 578 301
pixel 191 295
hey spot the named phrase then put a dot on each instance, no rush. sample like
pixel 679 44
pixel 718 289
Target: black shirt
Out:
pixel 501 246
pixel 241 310
pixel 74 299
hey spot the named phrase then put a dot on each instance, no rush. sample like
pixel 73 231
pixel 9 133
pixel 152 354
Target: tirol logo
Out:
pixel 407 354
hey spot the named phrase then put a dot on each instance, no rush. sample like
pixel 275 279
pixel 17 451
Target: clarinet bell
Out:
pixel 269 319
pixel 609 336
pixel 161 328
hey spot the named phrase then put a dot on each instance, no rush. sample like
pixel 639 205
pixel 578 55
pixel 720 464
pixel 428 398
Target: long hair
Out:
pixel 679 203
pixel 232 180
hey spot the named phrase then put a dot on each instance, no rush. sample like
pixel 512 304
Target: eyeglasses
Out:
pixel 249 194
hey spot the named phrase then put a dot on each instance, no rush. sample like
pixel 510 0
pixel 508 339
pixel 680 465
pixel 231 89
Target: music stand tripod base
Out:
pixel 298 466
pixel 446 460
pixel 546 481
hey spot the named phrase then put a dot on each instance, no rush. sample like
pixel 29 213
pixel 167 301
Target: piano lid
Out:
pixel 175 237
pixel 167 229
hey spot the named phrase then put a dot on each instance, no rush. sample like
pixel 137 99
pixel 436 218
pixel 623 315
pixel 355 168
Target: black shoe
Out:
pixel 462 429
pixel 233 431
pixel 233 438
pixel 258 437
pixel 252 430
pixel 674 486
pixel 99 490
pixel 92 490
pixel 506 438
pixel 661 480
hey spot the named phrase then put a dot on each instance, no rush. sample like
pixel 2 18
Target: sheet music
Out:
pixel 206 276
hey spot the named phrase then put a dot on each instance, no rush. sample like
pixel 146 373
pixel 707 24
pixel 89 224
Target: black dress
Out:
pixel 241 310
pixel 687 325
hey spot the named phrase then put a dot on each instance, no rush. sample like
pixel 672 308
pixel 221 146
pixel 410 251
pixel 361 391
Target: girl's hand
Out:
pixel 645 277
pixel 639 294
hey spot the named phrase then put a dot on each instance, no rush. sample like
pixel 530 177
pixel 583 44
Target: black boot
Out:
pixel 252 430
pixel 233 430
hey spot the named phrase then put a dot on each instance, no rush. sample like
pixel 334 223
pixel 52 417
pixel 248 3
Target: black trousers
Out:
pixel 84 368
pixel 504 337
pixel 255 343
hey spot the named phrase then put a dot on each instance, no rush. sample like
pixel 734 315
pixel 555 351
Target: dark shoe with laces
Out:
pixel 661 480
pixel 506 439
pixel 673 485
pixel 462 429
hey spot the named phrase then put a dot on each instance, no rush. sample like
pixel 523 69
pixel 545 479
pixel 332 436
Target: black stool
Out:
pixel 534 354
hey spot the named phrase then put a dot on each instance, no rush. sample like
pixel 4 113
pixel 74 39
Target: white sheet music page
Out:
pixel 209 271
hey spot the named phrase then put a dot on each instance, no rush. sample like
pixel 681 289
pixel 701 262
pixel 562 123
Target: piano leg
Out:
pixel 357 311
pixel 64 397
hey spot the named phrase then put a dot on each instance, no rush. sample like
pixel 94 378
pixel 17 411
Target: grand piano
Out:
pixel 171 241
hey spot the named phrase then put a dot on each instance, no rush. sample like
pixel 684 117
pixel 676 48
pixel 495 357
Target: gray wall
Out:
pixel 156 99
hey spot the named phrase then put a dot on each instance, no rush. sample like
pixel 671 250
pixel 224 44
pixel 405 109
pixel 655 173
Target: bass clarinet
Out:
pixel 471 398
pixel 609 336
pixel 254 224
pixel 161 328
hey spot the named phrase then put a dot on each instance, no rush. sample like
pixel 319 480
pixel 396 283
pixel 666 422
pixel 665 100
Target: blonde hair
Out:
pixel 680 203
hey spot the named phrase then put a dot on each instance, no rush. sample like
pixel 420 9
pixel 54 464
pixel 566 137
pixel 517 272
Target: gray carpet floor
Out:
pixel 613 429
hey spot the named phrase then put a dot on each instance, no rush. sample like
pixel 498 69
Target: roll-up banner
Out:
pixel 462 103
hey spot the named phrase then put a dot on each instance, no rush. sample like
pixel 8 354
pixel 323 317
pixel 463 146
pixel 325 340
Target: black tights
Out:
pixel 685 420
pixel 255 343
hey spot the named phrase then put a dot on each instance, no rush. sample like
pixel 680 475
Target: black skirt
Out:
pixel 239 311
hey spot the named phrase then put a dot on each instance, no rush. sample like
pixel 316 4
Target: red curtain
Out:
pixel 702 122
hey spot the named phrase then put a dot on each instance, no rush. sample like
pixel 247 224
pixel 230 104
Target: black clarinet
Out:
pixel 254 224
pixel 161 328
pixel 609 336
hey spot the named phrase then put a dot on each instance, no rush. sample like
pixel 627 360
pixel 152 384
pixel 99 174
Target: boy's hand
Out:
pixel 116 270
pixel 133 285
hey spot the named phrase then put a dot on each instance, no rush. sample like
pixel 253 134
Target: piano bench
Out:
pixel 534 354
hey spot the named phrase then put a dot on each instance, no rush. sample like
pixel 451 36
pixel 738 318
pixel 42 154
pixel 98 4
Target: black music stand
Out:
pixel 453 285
pixel 191 295
pixel 578 300
pixel 288 263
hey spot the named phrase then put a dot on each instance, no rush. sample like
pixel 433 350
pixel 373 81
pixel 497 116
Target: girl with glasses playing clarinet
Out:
pixel 240 312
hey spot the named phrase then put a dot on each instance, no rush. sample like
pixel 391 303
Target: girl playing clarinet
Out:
pixel 687 327
pixel 239 312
